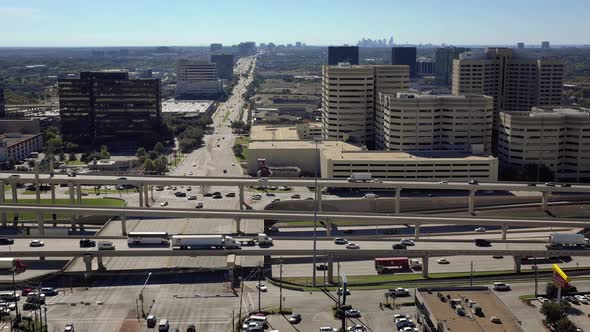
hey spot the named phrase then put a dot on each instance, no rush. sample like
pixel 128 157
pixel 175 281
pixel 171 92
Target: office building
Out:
pixel 414 122
pixel 404 56
pixel 17 146
pixel 520 46
pixel 443 62
pixel 545 45
pixel 2 103
pixel 442 309
pixel 348 98
pixel 297 44
pixel 215 47
pixel 516 81
pixel 102 107
pixel 225 65
pixel 556 137
pixel 197 79
pixel 339 54
pixel 23 125
pixel 424 67
pixel 247 48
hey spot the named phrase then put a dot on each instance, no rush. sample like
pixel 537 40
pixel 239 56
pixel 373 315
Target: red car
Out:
pixel 26 291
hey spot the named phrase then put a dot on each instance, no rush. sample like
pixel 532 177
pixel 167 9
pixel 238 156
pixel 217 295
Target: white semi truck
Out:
pixel 559 240
pixel 261 239
pixel 184 242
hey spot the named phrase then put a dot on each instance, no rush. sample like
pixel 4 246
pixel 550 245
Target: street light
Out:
pixel 141 294
pixel 315 212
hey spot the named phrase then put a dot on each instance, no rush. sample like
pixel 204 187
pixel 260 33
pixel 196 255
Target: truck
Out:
pixel 184 242
pixel 559 240
pixel 360 177
pixel 389 264
pixel 12 263
pixel 261 239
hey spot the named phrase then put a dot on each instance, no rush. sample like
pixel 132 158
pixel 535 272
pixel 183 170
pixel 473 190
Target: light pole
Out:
pixel 315 213
pixel 141 294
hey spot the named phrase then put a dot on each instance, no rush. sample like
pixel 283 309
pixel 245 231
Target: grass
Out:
pixel 62 201
pixel 242 140
pixel 75 163
pixel 226 116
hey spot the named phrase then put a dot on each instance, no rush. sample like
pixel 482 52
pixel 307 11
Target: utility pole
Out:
pixel 241 297
pixel 281 287
pixel 46 326
pixel 536 276
pixel 471 275
pixel 315 212
pixel 259 285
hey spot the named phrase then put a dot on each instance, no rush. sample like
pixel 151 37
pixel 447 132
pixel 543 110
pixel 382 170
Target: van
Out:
pixel 163 325
pixel 106 245
pixel 9 296
pixel 258 319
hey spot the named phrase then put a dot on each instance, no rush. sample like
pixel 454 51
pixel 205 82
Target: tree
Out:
pixel 85 157
pixel 71 147
pixel 72 157
pixel 159 148
pixel 552 311
pixel 104 152
pixel 551 290
pixel 54 145
pixel 141 153
pixel 149 166
pixel 565 325
pixel 62 156
pixel 160 166
pixel 238 149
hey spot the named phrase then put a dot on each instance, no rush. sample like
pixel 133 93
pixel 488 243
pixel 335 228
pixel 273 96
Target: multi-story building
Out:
pixel 18 146
pixel 404 56
pixel 558 138
pixel 545 45
pixel 424 67
pixel 414 122
pixel 225 65
pixel 102 107
pixel 339 54
pixel 348 98
pixel 197 79
pixel 215 47
pixel 516 81
pixel 2 103
pixel 443 62
pixel 520 46
pixel 247 48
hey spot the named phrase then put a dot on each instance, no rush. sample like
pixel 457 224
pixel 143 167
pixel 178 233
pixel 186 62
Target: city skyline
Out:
pixel 199 23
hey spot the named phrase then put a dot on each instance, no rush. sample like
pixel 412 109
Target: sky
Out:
pixel 315 22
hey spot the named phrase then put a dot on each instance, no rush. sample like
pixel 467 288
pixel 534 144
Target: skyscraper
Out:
pixel 225 65
pixel 197 79
pixel 215 47
pixel 545 45
pixel 404 56
pixel 520 45
pixel 103 107
pixel 247 48
pixel 443 63
pixel 2 103
pixel 338 54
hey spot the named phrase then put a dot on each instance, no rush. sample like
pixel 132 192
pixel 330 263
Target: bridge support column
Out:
pixel 140 190
pixel 123 225
pixel 471 201
pixel 2 200
pixel 88 262
pixel 544 200
pixel 517 264
pixel 40 224
pixel 72 202
pixel 398 192
pixel 100 264
pixel 14 200
pixel 330 269
pixel 319 198
pixel 416 231
pixel 241 197
pixel 146 196
pixel 53 215
pixel 328 227
pixel 37 189
pixel 504 231
pixel 79 193
pixel 425 266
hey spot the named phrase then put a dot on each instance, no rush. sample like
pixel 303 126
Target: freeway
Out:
pixel 292 215
pixel 86 179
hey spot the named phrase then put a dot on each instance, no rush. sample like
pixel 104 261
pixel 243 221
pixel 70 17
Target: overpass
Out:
pixel 417 220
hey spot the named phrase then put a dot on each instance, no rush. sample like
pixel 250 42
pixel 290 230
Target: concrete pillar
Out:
pixel 100 263
pixel 140 189
pixel 53 215
pixel 416 231
pixel 319 198
pixel 72 202
pixel 331 269
pixel 79 193
pixel 88 262
pixel 40 225
pixel 517 264
pixel 504 231
pixel 123 225
pixel 328 227
pixel 471 201
pixel 241 197
pixel 425 266
pixel 544 200
pixel 146 196
pixel 37 189
pixel 51 168
pixel 14 199
pixel 398 192
pixel 2 201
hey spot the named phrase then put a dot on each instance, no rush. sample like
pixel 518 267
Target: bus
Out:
pixel 137 238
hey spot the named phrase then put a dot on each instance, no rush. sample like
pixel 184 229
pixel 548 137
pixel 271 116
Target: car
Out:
pixel 399 316
pixel 173 188
pixel 352 313
pixel 225 170
pixel 531 185
pixel 542 299
pixel 69 327
pixel 256 197
pixel 443 261
pixel 482 243
pixel 163 325
pixel 582 299
pixel 271 194
pixel 399 246
pixel 5 240
pixel 86 243
pixel 208 195
pixel 328 329
pixel 407 242
pixel 200 205
pixel 194 165
pixel 189 189
pixel 179 194
pixel 14 177
pixel 217 197
pixel 276 200
pixel 550 184
pixel 352 246
pixel 500 286
pixel 36 243
pixel 26 291
pixel 341 291
pixel 443 182
pixel 495 320
pixel 151 321
pixel 190 173
pixel 370 196
pixel 262 287
pixel 398 292
pixel 216 193
pixel 340 240
pixel 263 180
pixel 296 196
pixel 165 203
pixel 49 291
pixel 473 182
pixel 295 318
pixel 321 267
pixel 191 328
pixel 230 195
pixel 356 328
pixel 498 256
pixel 192 198
pixel 565 185
pixel 159 188
pixel 480 229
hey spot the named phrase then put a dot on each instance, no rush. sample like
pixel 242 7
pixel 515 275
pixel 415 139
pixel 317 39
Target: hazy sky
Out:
pixel 318 22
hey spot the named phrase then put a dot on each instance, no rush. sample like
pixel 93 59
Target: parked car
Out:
pixel 69 327
pixel 482 243
pixel 191 328
pixel 399 246
pixel 165 203
pixel 179 194
pixel 208 195
pixel 356 328
pixel 296 196
pixel 192 198
pixel 151 321
pixel 352 313
pixel 295 318
pixel 370 196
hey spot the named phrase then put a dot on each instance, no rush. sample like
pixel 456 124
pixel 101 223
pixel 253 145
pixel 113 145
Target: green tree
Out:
pixel 50 132
pixel 565 325
pixel 72 157
pixel 141 153
pixel 71 147
pixel 85 157
pixel 160 166
pixel 552 311
pixel 54 145
pixel 62 156
pixel 238 149
pixel 159 148
pixel 149 166
pixel 104 152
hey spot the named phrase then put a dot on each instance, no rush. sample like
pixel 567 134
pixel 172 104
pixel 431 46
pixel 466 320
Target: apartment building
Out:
pixel 102 107
pixel 18 146
pixel 415 122
pixel 197 79
pixel 348 98
pixel 556 137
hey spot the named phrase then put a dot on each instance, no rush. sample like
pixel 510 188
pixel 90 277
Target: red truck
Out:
pixel 384 265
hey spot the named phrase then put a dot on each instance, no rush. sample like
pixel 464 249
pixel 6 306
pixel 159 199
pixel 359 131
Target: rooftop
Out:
pixel 398 155
pixel 271 132
pixel 186 107
pixel 302 144
pixel 15 138
pixel 485 298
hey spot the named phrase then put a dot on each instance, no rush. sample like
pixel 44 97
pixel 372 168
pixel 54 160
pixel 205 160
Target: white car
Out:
pixel 443 182
pixel 370 195
pixel 352 246
pixel 36 243
pixel 164 203
pixel 261 286
pixel 480 229
pixel 190 173
pixel 542 299
pixel 194 165
pixel 407 242
pixel 327 329
pixel 443 261
pixel 500 286
pixel 352 313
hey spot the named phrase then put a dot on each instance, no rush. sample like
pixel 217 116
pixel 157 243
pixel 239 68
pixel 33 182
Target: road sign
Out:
pixel 559 277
